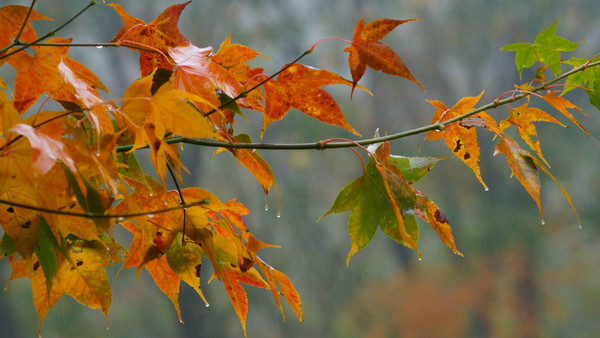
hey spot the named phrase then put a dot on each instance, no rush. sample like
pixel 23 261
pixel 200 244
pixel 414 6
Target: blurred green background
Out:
pixel 518 277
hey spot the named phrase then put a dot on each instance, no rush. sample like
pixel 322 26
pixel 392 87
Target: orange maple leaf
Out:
pixel 12 18
pixel 522 118
pixel 461 137
pixel 197 73
pixel 366 50
pixel 299 87
pixel 158 35
pixel 523 166
pixel 250 159
pixel 562 105
pixel 39 73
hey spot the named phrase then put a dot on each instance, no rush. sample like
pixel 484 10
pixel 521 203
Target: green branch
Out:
pixel 320 145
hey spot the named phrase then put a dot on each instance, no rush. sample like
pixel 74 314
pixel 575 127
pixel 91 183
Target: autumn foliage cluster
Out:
pixel 69 177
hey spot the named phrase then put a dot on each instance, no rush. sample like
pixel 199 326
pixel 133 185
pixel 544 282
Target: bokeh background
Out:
pixel 518 277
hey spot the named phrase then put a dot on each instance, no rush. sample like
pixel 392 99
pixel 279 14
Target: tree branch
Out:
pixel 106 216
pixel 321 145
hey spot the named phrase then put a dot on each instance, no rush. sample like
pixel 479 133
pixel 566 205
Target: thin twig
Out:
pixel 105 216
pixel 97 45
pixel 181 200
pixel 47 35
pixel 246 92
pixel 25 21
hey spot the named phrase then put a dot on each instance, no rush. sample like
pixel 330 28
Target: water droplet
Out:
pixel 151 194
pixel 121 219
pixel 278 214
pixel 266 205
pixel 207 305
pixel 166 203
pixel 100 47
pixel 420 259
pixel 487 189
pixel 98 154
pixel 150 215
pixel 543 222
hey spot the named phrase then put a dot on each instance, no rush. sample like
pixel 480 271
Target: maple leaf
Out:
pixel 39 73
pixel 249 158
pixel 158 35
pixel 234 58
pixel 562 105
pixel 88 96
pixel 12 17
pixel 366 50
pixel 522 118
pixel 46 150
pixel 150 117
pixel 523 167
pixel 186 261
pixel 461 137
pixel 166 279
pixel 197 73
pixel 382 198
pixel 80 273
pixel 588 78
pixel 299 87
pixel 287 289
pixel 10 117
pixel 43 299
pixel 545 49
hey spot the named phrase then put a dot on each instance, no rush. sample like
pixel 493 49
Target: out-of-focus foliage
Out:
pixel 543 277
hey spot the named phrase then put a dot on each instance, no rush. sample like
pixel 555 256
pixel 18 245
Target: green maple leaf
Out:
pixel 589 78
pixel 545 49
pixel 372 199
